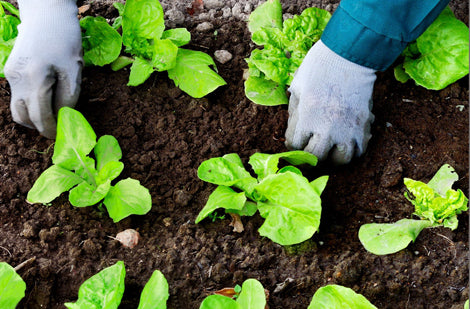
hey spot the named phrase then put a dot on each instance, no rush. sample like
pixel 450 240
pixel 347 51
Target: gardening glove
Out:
pixel 44 67
pixel 330 106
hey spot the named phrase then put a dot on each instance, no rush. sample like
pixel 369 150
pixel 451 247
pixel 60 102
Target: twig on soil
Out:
pixel 451 243
pixel 28 261
pixel 6 250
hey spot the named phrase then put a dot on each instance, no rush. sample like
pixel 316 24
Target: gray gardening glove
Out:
pixel 330 106
pixel 44 67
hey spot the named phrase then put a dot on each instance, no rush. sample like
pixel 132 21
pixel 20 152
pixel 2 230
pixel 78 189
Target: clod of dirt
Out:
pixel 128 238
pixel 392 174
pixel 236 223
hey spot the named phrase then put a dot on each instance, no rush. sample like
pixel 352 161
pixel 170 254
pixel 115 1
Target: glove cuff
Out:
pixel 327 56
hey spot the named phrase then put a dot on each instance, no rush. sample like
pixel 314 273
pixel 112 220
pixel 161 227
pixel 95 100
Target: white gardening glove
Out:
pixel 330 106
pixel 44 67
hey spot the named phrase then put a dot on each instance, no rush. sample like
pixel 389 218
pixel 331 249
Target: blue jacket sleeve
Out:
pixel 373 33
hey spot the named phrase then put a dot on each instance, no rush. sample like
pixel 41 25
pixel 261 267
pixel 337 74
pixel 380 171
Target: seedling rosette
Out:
pixel 151 48
pixel 88 180
pixel 436 204
pixel 289 203
pixel 285 44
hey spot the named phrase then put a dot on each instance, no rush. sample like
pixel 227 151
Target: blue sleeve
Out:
pixel 373 33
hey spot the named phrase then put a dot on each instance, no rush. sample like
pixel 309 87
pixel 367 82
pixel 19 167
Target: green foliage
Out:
pixel 387 238
pixel 436 204
pixel 155 293
pixel 286 44
pixel 338 297
pixel 251 296
pixel 439 56
pixel 154 49
pixel 8 32
pixel 289 203
pixel 436 201
pixel 12 287
pixel 88 179
pixel 101 42
pixel 105 289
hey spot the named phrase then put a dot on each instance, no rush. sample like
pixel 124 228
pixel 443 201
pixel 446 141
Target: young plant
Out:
pixel 90 180
pixel 101 43
pixel 436 204
pixel 155 49
pixel 290 203
pixel 12 287
pixel 338 297
pixel 428 61
pixel 8 32
pixel 285 46
pixel 105 290
pixel 251 296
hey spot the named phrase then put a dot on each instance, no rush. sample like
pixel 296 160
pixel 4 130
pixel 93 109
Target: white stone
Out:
pixel 222 56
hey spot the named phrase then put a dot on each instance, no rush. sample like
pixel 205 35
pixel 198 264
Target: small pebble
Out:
pixel 205 26
pixel 222 56
pixel 128 238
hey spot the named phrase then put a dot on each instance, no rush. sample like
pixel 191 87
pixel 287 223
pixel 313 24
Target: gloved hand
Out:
pixel 44 67
pixel 330 106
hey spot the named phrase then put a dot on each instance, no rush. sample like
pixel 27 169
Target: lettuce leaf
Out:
pixel 101 43
pixel 192 73
pixel 388 238
pixel 338 297
pixel 440 55
pixel 103 290
pixel 12 287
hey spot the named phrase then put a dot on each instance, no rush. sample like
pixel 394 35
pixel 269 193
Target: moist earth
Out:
pixel 165 135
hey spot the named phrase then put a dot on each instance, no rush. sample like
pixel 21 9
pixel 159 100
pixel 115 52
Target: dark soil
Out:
pixel 165 135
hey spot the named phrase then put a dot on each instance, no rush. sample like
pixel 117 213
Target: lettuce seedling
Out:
pixel 338 297
pixel 251 296
pixel 290 203
pixel 428 61
pixel 101 43
pixel 436 204
pixel 286 44
pixel 105 290
pixel 155 49
pixel 12 287
pixel 90 180
pixel 8 31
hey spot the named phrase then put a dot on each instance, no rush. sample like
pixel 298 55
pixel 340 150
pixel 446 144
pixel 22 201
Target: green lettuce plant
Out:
pixel 105 290
pixel 439 56
pixel 338 297
pixel 436 204
pixel 152 48
pixel 88 179
pixel 12 287
pixel 286 44
pixel 8 31
pixel 289 203
pixel 251 296
pixel 155 49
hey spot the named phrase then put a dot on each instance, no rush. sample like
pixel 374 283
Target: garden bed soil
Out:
pixel 165 135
